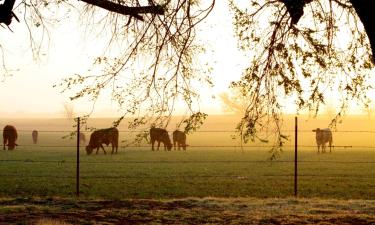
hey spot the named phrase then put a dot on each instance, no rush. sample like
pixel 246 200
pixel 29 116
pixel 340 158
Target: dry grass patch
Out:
pixel 46 221
pixel 189 211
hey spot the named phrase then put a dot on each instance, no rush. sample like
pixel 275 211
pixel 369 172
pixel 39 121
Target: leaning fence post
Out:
pixel 77 175
pixel 295 155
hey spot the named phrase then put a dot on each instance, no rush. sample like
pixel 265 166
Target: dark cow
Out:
pixel 34 135
pixel 9 137
pixel 103 136
pixel 160 135
pixel 323 136
pixel 179 138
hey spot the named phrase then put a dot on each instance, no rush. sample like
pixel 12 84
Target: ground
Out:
pixel 186 211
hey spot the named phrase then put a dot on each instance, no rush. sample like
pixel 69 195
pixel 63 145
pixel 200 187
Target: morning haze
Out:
pixel 216 100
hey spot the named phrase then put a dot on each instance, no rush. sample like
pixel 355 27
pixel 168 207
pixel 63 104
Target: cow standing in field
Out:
pixel 323 136
pixel 9 137
pixel 160 135
pixel 179 138
pixel 34 135
pixel 103 136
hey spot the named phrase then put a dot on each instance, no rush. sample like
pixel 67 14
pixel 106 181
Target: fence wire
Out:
pixel 195 176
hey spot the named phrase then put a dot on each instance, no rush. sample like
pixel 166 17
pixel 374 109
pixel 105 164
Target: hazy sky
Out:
pixel 29 92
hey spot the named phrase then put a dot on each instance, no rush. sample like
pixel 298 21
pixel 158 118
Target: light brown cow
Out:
pixel 34 135
pixel 323 136
pixel 160 135
pixel 103 136
pixel 179 138
pixel 9 137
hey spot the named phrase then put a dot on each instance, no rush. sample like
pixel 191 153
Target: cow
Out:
pixel 179 138
pixel 34 135
pixel 103 136
pixel 323 136
pixel 160 135
pixel 9 137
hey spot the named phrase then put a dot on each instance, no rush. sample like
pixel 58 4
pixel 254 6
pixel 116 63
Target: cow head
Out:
pixel 317 130
pixel 11 146
pixel 169 145
pixel 89 150
pixel 167 141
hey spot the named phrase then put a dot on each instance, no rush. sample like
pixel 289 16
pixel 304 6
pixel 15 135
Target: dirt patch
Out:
pixel 186 211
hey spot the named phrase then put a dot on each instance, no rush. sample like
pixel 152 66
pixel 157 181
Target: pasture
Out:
pixel 176 174
pixel 214 165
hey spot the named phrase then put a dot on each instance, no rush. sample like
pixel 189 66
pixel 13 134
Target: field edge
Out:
pixel 190 210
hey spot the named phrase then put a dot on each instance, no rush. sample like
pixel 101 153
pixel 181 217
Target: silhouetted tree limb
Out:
pixel 365 10
pixel 302 50
pixel 127 10
pixel 6 12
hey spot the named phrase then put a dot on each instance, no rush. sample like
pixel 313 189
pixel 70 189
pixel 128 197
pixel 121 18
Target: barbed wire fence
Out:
pixel 291 174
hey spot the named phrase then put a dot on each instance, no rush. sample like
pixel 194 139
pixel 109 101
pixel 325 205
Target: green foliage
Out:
pixel 194 122
pixel 326 54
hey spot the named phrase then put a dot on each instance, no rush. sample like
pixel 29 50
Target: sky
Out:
pixel 29 91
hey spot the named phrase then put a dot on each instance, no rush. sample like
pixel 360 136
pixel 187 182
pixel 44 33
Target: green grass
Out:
pixel 41 171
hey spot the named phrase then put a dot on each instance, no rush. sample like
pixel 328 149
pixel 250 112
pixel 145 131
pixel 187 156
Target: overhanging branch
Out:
pixel 365 10
pixel 127 10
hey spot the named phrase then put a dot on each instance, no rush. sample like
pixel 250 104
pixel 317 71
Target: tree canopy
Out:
pixel 299 49
pixel 304 50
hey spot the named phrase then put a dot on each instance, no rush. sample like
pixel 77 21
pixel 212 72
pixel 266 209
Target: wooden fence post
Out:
pixel 295 156
pixel 77 175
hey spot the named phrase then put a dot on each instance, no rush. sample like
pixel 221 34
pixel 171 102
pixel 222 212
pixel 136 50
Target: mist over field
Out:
pixel 354 132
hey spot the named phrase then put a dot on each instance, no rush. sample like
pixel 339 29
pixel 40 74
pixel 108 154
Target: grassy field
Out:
pixel 214 165
pixel 214 182
pixel 177 174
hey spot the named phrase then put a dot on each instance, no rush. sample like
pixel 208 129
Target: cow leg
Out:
pixel 165 147
pixel 105 153
pixel 318 148
pixel 152 145
pixel 174 145
pixel 97 150
pixel 330 147
pixel 158 145
pixel 113 148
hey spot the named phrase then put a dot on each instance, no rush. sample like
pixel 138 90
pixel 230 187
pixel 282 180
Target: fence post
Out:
pixel 295 155
pixel 77 175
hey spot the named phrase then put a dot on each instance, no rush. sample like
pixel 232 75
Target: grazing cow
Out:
pixel 82 138
pixel 103 136
pixel 160 135
pixel 179 137
pixel 322 137
pixel 9 137
pixel 34 135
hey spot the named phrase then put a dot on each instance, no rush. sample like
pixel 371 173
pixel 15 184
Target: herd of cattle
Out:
pixel 104 136
pixel 159 135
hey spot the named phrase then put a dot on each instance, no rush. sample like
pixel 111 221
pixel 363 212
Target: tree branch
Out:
pixel 127 10
pixel 365 11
